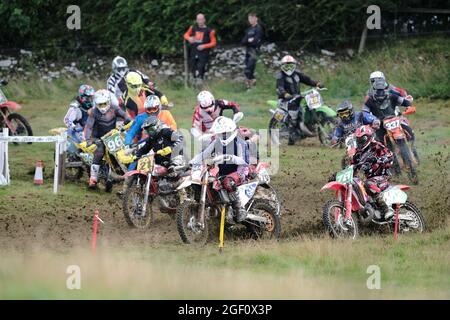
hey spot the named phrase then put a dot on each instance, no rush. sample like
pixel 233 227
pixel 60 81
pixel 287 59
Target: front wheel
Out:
pixel 189 228
pixel 407 158
pixel 264 230
pixel 339 227
pixel 132 203
pixel 283 131
pixel 20 126
pixel 325 130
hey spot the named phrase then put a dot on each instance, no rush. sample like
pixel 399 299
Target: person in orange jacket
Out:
pixel 202 39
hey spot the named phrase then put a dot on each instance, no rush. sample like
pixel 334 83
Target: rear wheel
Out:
pixel 415 221
pixel 189 228
pixel 20 126
pixel 132 203
pixel 340 227
pixel 406 155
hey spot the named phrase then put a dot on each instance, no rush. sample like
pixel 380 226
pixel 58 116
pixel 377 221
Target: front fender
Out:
pixel 335 186
pixel 135 172
pixel 328 111
pixel 186 183
pixel 11 105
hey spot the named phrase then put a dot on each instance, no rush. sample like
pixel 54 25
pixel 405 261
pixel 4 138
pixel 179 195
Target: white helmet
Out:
pixel 119 65
pixel 152 105
pixel 206 101
pixel 102 100
pixel 288 64
pixel 376 75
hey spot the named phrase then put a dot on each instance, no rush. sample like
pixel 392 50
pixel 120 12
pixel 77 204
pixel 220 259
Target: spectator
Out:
pixel 202 39
pixel 251 41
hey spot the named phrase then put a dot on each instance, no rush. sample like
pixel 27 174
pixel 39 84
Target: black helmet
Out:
pixel 152 125
pixel 380 90
pixel 345 111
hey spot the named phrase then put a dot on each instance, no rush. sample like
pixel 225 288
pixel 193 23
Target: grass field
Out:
pixel 41 233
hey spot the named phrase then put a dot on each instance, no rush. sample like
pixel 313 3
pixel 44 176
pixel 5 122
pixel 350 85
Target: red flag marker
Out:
pixel 396 222
pixel 94 237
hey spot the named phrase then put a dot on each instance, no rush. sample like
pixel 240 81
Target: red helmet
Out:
pixel 364 136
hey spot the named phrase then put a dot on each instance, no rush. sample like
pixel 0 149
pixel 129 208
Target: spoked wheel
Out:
pixel 268 193
pixel 325 130
pixel 413 222
pixel 20 125
pixel 188 225
pixel 264 230
pixel 132 202
pixel 340 227
pixel 283 131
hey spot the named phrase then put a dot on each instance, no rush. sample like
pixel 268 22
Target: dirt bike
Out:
pixel 401 143
pixel 149 182
pixel 208 201
pixel 318 118
pixel 115 161
pixel 16 123
pixel 265 190
pixel 342 216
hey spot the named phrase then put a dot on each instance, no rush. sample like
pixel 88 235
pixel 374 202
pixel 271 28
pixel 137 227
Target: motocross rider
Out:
pixel 101 120
pixel 207 110
pixel 76 117
pixel 349 121
pixel 233 172
pixel 376 75
pixel 374 159
pixel 164 141
pixel 136 91
pixel 382 103
pixel 152 107
pixel 288 90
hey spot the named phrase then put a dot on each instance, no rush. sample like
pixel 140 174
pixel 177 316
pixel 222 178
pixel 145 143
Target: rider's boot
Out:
pixel 385 210
pixel 95 168
pixel 240 212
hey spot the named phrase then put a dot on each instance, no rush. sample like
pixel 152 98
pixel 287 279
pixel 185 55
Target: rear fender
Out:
pixel 11 105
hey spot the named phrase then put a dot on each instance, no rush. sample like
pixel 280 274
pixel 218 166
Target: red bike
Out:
pixel 16 123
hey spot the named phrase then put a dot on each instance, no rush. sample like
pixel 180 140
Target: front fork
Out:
pixel 146 194
pixel 203 200
pixel 348 202
pixel 5 114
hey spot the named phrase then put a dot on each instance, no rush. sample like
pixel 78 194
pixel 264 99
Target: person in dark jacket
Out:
pixel 202 39
pixel 288 90
pixel 252 42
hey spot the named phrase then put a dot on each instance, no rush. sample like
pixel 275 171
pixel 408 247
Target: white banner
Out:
pixel 25 139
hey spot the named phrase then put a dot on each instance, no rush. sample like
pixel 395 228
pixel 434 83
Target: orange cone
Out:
pixel 38 176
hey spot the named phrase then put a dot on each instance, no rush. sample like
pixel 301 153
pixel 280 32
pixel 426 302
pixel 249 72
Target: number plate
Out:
pixel 345 176
pixel 144 164
pixel 313 100
pixel 2 97
pixel 113 142
pixel 279 115
pixel 392 124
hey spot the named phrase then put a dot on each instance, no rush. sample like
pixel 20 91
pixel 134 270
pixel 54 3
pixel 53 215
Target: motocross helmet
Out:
pixel 206 101
pixel 364 136
pixel 345 111
pixel 134 82
pixel 152 125
pixel 119 66
pixel 375 76
pixel 288 64
pixel 102 100
pixel 86 96
pixel 152 105
pixel 380 90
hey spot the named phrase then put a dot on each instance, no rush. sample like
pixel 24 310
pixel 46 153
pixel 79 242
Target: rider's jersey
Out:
pixel 98 124
pixel 344 128
pixel 165 138
pixel 202 120
pixel 135 104
pixel 386 107
pixel 291 84
pixel 76 115
pixel 135 130
pixel 377 157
